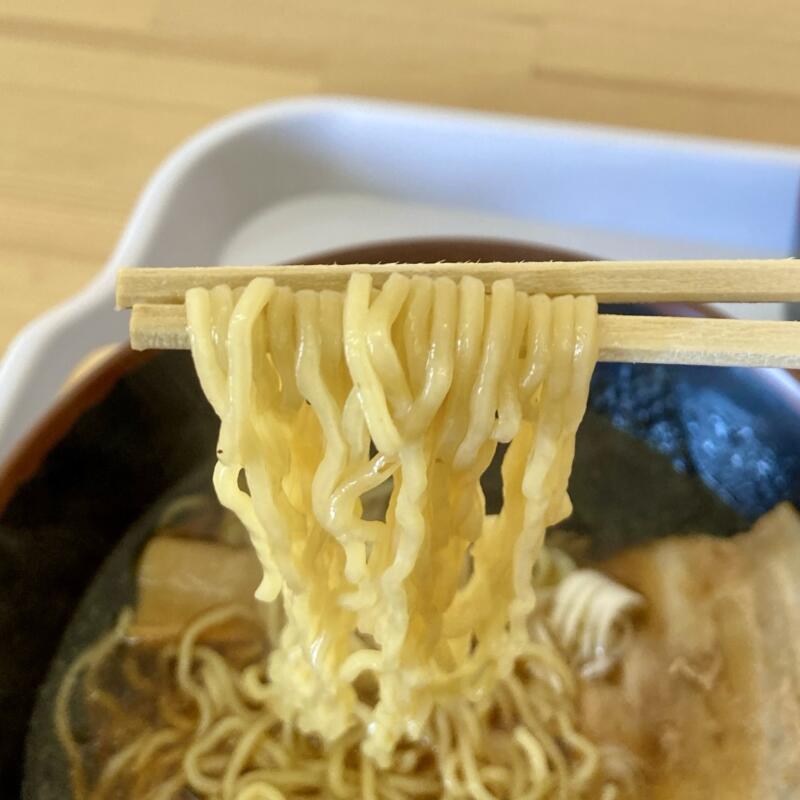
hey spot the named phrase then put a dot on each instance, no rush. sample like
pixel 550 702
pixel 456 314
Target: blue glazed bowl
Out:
pixel 737 430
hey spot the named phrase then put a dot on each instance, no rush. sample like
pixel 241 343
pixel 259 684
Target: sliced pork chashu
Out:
pixel 708 694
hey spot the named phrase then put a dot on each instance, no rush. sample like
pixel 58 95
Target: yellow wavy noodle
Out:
pixel 591 616
pixel 411 661
pixel 398 582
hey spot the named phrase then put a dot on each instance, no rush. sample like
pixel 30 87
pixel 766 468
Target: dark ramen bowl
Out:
pixel 662 450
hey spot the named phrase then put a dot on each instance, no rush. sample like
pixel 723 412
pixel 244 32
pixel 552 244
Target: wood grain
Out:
pixel 751 280
pixel 640 340
pixel 95 94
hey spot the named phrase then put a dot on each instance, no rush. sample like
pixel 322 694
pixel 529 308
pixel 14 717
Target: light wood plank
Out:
pixel 86 151
pixel 144 77
pixel 40 280
pixel 718 20
pixel 725 63
pixel 135 15
pixel 461 36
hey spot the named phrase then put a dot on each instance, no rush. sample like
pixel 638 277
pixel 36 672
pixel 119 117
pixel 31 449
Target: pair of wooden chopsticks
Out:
pixel 158 320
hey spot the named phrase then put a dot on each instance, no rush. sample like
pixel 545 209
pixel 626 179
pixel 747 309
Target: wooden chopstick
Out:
pixel 754 280
pixel 651 340
pixel 159 320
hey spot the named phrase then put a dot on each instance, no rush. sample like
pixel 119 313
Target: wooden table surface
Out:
pixel 94 93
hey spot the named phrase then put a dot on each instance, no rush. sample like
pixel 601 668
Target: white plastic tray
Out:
pixel 286 180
